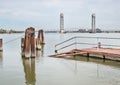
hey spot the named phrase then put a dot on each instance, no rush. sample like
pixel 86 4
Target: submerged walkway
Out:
pixel 105 53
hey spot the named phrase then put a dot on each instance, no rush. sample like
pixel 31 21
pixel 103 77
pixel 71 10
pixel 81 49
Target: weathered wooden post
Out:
pixel 1 53
pixel 38 41
pixel 38 46
pixel 22 46
pixel 32 40
pixel 1 58
pixel 42 37
pixel 29 43
pixel 1 49
pixel 22 42
pixel 39 33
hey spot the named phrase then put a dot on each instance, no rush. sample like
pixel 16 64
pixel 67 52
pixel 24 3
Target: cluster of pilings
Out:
pixel 28 43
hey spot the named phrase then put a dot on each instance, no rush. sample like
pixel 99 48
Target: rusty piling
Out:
pixel 22 46
pixel 38 46
pixel 40 39
pixel 1 42
pixel 29 43
pixel 32 40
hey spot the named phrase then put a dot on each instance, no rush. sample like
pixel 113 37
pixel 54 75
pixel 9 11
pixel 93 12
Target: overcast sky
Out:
pixel 20 14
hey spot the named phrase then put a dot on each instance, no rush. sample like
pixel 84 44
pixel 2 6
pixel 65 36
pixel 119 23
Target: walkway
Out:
pixel 105 53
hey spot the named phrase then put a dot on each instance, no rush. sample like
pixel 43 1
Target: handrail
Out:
pixel 97 37
pixel 65 41
pixel 83 43
pixel 97 44
pixel 66 46
pixel 83 37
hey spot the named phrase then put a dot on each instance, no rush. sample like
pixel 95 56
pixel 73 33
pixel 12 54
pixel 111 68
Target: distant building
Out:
pixel 61 23
pixel 2 31
pixel 93 24
pixel 98 30
pixel 82 30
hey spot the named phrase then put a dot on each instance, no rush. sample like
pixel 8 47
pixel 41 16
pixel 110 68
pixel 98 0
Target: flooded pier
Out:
pixel 111 53
pixel 104 53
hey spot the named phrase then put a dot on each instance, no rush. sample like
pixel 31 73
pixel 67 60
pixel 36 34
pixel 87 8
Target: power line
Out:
pixel 13 39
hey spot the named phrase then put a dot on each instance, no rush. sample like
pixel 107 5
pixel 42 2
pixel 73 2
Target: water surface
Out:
pixel 44 70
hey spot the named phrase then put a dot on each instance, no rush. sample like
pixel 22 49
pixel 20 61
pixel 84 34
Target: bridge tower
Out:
pixel 93 24
pixel 61 23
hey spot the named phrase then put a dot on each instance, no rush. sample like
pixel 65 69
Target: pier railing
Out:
pixel 91 41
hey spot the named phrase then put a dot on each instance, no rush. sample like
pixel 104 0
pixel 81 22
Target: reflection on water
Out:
pixel 29 69
pixel 40 53
pixel 98 61
pixel 1 58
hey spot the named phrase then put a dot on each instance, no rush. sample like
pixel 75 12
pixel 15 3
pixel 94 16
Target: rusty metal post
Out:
pixel 1 49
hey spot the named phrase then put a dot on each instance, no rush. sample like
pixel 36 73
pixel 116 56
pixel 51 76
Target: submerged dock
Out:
pixel 104 48
pixel 104 53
